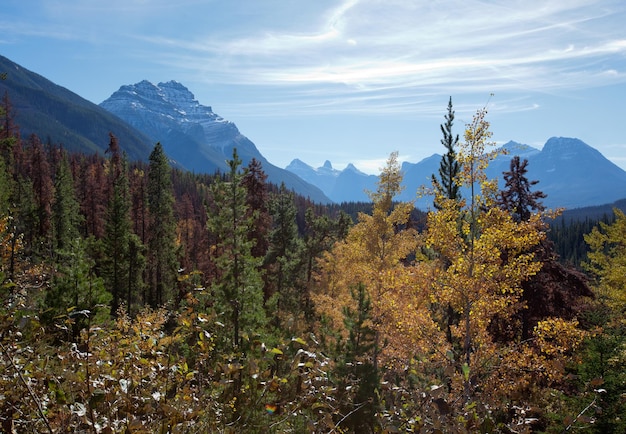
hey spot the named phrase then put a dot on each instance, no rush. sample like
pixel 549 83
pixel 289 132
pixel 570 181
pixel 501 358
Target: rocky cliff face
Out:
pixel 191 133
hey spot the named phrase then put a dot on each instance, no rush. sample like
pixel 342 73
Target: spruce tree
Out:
pixel 517 197
pixel 66 217
pixel 161 259
pixel 238 286
pixel 9 133
pixel 446 186
pixel 75 287
pixel 122 264
pixel 283 261
pixel 43 190
pixel 257 200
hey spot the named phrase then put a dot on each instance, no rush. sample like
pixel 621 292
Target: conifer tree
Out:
pixel 43 190
pixel 9 134
pixel 65 209
pixel 238 285
pixel 257 200
pixel 283 262
pixel 517 197
pixel 161 259
pixel 75 287
pixel 93 195
pixel 5 189
pixel 122 263
pixel 447 186
pixel 76 291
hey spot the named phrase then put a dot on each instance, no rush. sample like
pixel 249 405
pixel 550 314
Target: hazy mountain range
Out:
pixel 571 173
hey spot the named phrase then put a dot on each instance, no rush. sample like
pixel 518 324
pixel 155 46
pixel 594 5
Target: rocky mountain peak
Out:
pixel 192 135
pixel 564 148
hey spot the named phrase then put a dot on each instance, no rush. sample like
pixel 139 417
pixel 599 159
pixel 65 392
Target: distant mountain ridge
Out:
pixel 53 112
pixel 339 185
pixel 192 134
pixel 570 172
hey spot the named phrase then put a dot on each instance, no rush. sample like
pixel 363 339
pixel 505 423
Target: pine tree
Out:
pixel 161 260
pixel 9 134
pixel 257 200
pixel 66 215
pixel 517 197
pixel 238 286
pixel 5 189
pixel 40 176
pixel 75 287
pixel 283 261
pixel 93 195
pixel 447 185
pixel 122 249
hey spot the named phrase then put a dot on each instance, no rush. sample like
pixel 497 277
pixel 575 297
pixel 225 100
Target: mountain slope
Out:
pixel 54 112
pixel 192 134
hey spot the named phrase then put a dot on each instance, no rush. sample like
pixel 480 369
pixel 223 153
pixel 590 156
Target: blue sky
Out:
pixel 347 80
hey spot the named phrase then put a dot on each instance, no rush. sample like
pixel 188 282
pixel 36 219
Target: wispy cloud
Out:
pixel 368 50
pixel 361 55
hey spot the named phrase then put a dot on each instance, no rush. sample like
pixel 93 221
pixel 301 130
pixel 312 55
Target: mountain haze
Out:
pixel 570 172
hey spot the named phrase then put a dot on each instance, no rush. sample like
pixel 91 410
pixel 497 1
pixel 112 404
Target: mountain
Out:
pixel 348 185
pixel 55 113
pixel 570 172
pixel 192 134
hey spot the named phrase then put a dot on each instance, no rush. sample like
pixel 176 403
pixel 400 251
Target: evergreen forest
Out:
pixel 139 298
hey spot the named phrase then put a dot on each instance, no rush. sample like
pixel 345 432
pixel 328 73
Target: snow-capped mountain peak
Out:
pixel 168 107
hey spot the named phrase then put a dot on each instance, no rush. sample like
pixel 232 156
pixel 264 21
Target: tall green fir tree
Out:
pixel 283 262
pixel 446 185
pixel 161 246
pixel 66 216
pixel 123 258
pixel 75 290
pixel 238 285
pixel 257 200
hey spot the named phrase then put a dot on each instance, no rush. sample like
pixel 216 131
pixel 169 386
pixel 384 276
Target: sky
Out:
pixel 348 81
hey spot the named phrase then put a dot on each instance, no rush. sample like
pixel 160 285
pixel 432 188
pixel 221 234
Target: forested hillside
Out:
pixel 138 298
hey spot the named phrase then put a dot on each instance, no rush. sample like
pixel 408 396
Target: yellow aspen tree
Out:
pixel 483 258
pixel 374 254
